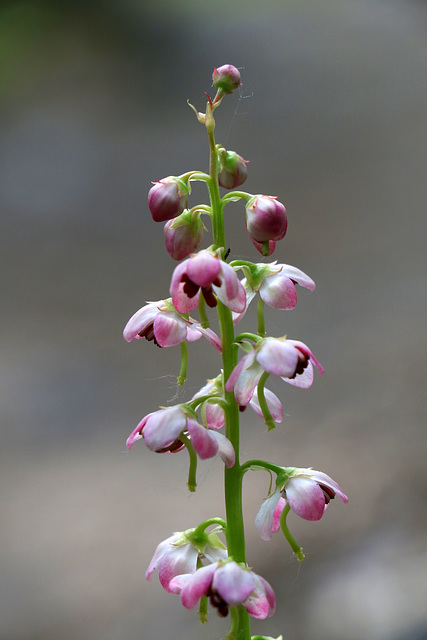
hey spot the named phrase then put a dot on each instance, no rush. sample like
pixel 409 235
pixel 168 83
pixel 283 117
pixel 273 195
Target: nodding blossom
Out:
pixel 167 198
pixel 179 554
pixel 275 284
pixel 308 493
pixel 214 413
pixel 291 360
pixel 226 584
pixel 266 222
pixel 159 321
pixel 161 432
pixel 204 272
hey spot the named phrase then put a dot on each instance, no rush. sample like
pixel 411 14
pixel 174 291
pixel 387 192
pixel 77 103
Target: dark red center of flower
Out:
pixel 148 334
pixel 191 289
pixel 328 493
pixel 302 364
pixel 219 603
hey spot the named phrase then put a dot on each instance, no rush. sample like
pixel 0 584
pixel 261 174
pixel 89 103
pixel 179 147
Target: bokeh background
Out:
pixel 332 115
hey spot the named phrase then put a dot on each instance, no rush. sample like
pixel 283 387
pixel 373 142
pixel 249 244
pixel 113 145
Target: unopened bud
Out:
pixel 167 198
pixel 233 172
pixel 266 219
pixel 226 78
pixel 183 235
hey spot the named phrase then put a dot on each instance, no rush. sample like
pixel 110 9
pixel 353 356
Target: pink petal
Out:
pixel 305 498
pixel 161 549
pixel 141 320
pixel 250 295
pixel 278 357
pixel 297 276
pixel 163 427
pixel 225 449
pixel 136 433
pixel 323 478
pixel 203 268
pixel 262 604
pixel 181 301
pixel 273 403
pixel 247 382
pixel 204 444
pixel 308 353
pixel 246 361
pixel 265 516
pixel 169 329
pixel 197 586
pixel 210 336
pixel 179 560
pixel 177 584
pixel 277 513
pixel 302 380
pixel 278 292
pixel 233 583
pixel 215 417
pixel 231 292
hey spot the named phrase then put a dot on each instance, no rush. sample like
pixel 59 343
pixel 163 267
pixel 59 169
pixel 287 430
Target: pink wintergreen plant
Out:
pixel 306 491
pixel 291 360
pixel 275 284
pixel 159 321
pixel 165 430
pixel 167 198
pixel 180 553
pixel 226 584
pixel 206 272
pixel 205 283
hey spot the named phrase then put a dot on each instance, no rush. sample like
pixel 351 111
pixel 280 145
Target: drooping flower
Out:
pixel 167 198
pixel 275 284
pixel 226 584
pixel 291 360
pixel 233 173
pixel 205 272
pixel 161 431
pixel 184 234
pixel 179 554
pixel 308 493
pixel 214 413
pixel 266 222
pixel 159 321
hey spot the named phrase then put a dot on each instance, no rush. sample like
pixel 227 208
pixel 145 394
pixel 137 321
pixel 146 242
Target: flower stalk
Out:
pixel 196 564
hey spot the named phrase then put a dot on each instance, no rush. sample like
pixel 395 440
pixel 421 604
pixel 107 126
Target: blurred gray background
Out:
pixel 332 116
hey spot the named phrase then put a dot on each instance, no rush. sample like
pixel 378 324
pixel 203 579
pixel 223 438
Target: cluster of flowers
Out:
pixel 178 559
pixel 205 278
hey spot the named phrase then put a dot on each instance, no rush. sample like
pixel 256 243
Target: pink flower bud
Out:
pixel 234 171
pixel 226 78
pixel 167 198
pixel 183 235
pixel 266 219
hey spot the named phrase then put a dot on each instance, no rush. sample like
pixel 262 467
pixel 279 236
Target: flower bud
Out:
pixel 233 172
pixel 166 199
pixel 183 235
pixel 226 78
pixel 265 219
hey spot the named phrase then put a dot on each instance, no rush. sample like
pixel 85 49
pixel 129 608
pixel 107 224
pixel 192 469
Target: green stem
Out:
pixel 235 535
pixel 289 537
pixel 269 420
pixel 204 320
pixel 191 483
pixel 261 321
pixel 184 361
